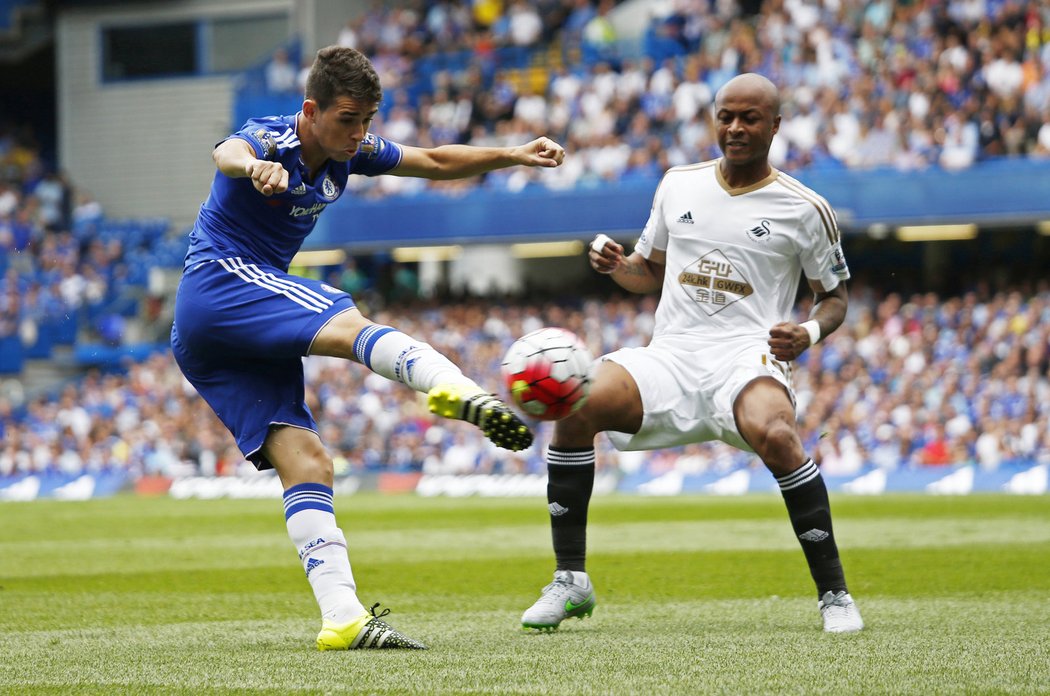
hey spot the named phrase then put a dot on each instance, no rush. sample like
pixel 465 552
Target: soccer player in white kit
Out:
pixel 725 245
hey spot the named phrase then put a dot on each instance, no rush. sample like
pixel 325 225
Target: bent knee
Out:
pixel 781 436
pixel 614 403
pixel 337 337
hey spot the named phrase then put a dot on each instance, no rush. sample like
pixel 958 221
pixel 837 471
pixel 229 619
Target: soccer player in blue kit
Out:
pixel 243 324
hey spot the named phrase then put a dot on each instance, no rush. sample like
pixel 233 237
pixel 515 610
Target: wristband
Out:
pixel 813 329
pixel 599 243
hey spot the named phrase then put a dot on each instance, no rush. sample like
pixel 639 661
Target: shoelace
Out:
pixel 837 600
pixel 555 593
pixel 380 615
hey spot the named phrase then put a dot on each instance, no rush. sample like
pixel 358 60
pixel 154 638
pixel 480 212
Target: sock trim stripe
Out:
pixel 308 487
pixel 319 497
pixel 803 475
pixel 806 468
pixel 797 478
pixel 366 339
pixel 308 505
pixel 570 458
pixel 308 495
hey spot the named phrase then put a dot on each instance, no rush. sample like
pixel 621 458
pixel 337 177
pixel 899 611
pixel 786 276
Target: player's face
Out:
pixel 340 129
pixel 745 125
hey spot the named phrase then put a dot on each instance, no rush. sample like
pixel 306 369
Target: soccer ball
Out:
pixel 548 373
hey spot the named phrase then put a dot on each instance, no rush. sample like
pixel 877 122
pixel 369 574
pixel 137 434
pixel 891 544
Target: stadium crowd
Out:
pixel 64 268
pixel 907 382
pixel 865 84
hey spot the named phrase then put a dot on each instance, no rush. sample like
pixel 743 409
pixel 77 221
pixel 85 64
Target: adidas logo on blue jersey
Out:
pixel 687 218
pixel 311 564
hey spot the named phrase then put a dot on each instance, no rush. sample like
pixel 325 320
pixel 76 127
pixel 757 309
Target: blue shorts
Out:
pixel 240 333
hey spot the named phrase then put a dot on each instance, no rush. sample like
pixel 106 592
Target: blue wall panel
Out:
pixel 1002 191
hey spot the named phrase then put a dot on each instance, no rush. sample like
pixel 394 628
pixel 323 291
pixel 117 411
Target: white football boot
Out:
pixel 840 613
pixel 560 600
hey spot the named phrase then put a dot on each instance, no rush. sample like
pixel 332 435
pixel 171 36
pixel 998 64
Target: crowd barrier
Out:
pixel 1017 479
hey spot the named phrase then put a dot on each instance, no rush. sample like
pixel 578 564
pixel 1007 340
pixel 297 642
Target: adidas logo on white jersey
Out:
pixel 557 510
pixel 814 535
pixel 687 218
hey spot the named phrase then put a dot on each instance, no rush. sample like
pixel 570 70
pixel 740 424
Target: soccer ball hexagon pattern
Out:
pixel 547 373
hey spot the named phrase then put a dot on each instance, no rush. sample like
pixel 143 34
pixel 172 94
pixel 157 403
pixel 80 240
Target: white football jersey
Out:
pixel 735 256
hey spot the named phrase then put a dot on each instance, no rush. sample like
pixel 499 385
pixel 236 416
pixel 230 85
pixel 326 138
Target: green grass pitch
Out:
pixel 696 595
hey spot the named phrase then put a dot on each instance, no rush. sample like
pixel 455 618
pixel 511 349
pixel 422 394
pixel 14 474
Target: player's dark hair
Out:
pixel 340 71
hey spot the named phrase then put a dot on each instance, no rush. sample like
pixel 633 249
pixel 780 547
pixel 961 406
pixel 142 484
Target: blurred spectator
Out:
pixel 281 74
pixel 56 201
pixel 525 25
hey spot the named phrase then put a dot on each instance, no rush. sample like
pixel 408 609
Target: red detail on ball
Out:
pixel 547 373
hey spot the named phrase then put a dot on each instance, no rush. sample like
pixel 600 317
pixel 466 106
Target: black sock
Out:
pixel 808 506
pixel 570 478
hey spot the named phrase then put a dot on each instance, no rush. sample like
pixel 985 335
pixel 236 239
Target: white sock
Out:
pixel 309 514
pixel 397 356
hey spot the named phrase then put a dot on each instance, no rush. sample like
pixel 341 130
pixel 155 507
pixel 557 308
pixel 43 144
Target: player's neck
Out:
pixel 741 176
pixel 310 151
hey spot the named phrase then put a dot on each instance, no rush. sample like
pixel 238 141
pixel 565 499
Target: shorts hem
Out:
pixel 255 455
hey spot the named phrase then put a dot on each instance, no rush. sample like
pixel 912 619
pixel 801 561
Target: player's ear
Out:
pixel 310 109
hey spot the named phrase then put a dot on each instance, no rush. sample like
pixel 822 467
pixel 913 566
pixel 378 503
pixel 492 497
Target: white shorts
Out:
pixel 688 395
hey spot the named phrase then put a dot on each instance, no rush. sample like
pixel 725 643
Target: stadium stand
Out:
pixel 866 85
pixel 907 383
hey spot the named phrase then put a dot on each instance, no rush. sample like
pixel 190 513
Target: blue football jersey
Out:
pixel 238 221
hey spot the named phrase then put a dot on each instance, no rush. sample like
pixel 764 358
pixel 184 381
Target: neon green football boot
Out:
pixel 477 407
pixel 368 631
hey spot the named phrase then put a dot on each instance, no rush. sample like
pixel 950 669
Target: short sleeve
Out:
pixel 822 257
pixel 375 155
pixel 654 234
pixel 263 135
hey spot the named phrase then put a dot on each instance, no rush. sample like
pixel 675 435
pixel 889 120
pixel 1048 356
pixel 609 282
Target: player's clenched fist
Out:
pixel 541 152
pixel 605 254
pixel 267 177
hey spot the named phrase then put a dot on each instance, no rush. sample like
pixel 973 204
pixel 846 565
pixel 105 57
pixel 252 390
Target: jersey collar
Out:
pixel 762 183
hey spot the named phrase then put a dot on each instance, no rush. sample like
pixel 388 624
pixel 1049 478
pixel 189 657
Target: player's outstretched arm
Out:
pixel 788 340
pixel 236 159
pixel 461 161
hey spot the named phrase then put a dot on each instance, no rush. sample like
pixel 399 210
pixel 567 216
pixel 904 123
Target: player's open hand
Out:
pixel 788 340
pixel 267 177
pixel 541 152
pixel 604 254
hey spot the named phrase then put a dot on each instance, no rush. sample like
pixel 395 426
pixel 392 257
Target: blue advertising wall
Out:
pixel 1001 192
pixel 1018 478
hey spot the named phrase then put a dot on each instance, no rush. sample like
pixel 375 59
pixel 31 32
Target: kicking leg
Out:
pixel 397 356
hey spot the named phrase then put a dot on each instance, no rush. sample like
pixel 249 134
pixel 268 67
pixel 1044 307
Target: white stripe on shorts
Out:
pixel 302 290
pixel 295 292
